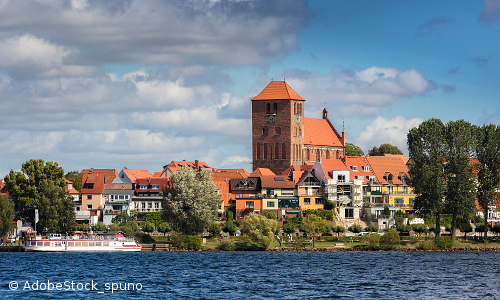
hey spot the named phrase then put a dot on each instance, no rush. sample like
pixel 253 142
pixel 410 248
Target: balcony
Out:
pixel 311 184
pixel 82 214
pixel 148 209
pixel 114 212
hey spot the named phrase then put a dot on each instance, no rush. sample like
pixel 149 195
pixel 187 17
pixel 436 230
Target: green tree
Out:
pixel 371 228
pixel 383 149
pixel 290 227
pixel 313 225
pixel 83 228
pixel 427 149
pixel 338 230
pixel 164 228
pixel 99 226
pixel 461 187
pixel 26 187
pixel 6 212
pixel 214 229
pixel 355 228
pixel 148 227
pixel 260 229
pixel 56 209
pixel 353 150
pixel 122 218
pixel 390 238
pixel 191 200
pixel 487 152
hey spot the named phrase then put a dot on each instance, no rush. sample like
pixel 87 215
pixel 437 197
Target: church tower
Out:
pixel 277 128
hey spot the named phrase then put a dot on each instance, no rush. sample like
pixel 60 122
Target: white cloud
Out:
pixel 28 56
pixel 382 130
pixel 352 92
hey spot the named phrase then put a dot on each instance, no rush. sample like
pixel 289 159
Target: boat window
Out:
pixel 98 243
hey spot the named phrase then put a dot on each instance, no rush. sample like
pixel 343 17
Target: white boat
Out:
pixel 92 243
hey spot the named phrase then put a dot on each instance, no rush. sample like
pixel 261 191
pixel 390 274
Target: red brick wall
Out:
pixel 282 131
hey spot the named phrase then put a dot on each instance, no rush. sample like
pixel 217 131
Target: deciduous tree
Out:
pixel 259 228
pixel 383 149
pixel 6 212
pixel 353 150
pixel 191 200
pixel 313 225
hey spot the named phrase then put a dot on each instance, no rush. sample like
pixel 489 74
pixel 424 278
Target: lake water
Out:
pixel 252 275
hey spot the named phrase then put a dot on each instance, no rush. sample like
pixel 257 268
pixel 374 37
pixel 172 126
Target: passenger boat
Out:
pixel 87 243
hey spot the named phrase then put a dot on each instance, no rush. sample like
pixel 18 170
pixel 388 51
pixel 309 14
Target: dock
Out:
pixel 11 249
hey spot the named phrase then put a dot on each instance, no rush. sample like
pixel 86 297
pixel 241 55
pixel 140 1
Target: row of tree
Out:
pixel 353 150
pixel 452 164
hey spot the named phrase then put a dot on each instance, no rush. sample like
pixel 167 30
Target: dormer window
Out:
pixel 90 185
pixel 354 168
pixel 366 169
pixel 155 186
pixel 143 186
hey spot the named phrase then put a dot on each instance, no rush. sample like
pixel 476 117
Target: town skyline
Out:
pixel 138 84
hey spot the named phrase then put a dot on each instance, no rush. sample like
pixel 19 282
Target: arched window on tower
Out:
pixel 295 108
pixel 269 108
pixel 283 151
pixel 275 108
pixel 258 151
pixel 300 108
pixel 300 132
pixel 277 154
pixel 270 151
pixel 265 150
pixel 263 130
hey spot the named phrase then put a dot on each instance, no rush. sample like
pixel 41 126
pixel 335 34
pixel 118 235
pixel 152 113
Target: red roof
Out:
pixel 320 132
pixel 276 182
pixel 134 174
pixel 359 161
pixel 98 177
pixel 385 165
pixel 333 165
pixel 262 172
pixel 72 189
pixel 278 90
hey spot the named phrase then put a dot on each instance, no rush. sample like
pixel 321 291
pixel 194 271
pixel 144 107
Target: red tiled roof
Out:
pixel 223 174
pixel 278 90
pixel 358 161
pixel 402 156
pixel 72 189
pixel 393 165
pixel 262 172
pixel 98 177
pixel 157 174
pixel 333 165
pixel 271 182
pixel 319 132
pixel 134 174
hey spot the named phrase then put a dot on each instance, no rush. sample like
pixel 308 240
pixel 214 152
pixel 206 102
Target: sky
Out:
pixel 137 84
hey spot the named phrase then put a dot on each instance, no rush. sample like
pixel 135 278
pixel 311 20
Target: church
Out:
pixel 282 136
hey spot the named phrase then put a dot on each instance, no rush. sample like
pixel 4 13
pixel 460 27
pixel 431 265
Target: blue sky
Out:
pixel 109 84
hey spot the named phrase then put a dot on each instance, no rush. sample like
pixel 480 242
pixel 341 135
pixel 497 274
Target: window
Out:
pixel 270 192
pixel 269 108
pixel 354 168
pixel 300 108
pixel 89 197
pixel 288 203
pixel 270 203
pixel 90 186
pixel 157 204
pixel 399 200
pixel 320 201
pixel 263 130
pixel 283 151
pixel 265 150
pixel 405 189
pixel 150 205
pixel 277 130
pixel 275 108
pixel 349 213
pixel 155 186
pixel 411 200
pixel 307 201
pixel 327 154
pixel 143 205
pixel 258 151
pixel 366 169
pixel 287 192
pixel 308 155
pixel 389 189
pixel 341 177
pixel 404 178
pixel 89 206
pixel 143 187
pixel 276 148
pixel 295 108
pixel 249 204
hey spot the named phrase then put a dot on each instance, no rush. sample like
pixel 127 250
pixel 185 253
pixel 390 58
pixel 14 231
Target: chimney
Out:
pixel 196 164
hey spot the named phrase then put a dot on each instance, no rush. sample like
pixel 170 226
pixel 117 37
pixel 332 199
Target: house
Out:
pixel 221 179
pixel 392 173
pixel 148 196
pixel 279 193
pixel 341 186
pixel 246 194
pixel 93 184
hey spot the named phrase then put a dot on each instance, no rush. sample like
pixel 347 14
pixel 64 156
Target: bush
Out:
pixel 193 242
pixel 146 239
pixel 214 229
pixel 496 229
pixel 403 228
pixel 230 227
pixel 419 228
pixel 148 226
pixel 226 244
pixel 164 228
pixel 427 245
pixel 99 227
pixel 371 239
pixel 269 215
pixel 83 227
pixel 371 228
pixel 178 241
pixel 355 228
pixel 390 239
pixel 443 242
